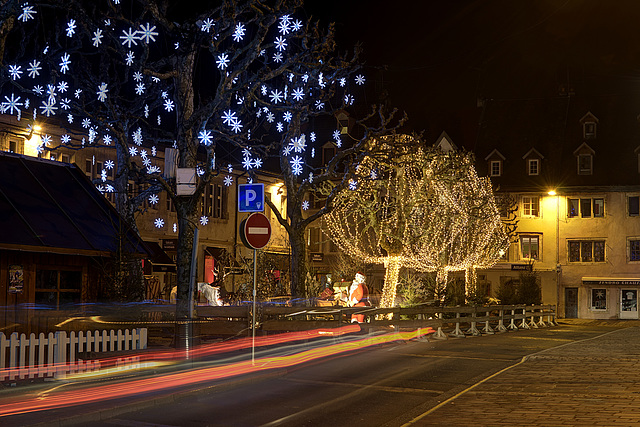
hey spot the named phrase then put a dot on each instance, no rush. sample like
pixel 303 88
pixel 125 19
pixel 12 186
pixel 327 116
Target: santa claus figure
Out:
pixel 358 296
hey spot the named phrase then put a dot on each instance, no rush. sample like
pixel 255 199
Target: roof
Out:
pixel 553 128
pixel 49 206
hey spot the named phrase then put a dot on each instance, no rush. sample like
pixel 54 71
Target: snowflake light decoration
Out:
pixel 15 71
pixel 228 180
pixel 159 222
pixel 34 69
pixel 71 28
pixel 129 38
pixel 65 61
pixel 296 165
pixel 102 92
pixel 27 13
pixel 154 199
pixel 223 61
pixel 205 137
pixel 305 205
pixel 147 33
pixel 97 37
pixel 239 32
pixel 204 220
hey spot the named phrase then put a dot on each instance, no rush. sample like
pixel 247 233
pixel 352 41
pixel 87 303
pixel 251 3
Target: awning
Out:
pixel 624 281
pixel 159 258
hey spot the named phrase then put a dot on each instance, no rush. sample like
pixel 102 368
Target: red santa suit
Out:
pixel 358 296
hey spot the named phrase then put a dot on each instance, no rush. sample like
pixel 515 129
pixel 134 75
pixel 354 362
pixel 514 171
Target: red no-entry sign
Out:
pixel 255 231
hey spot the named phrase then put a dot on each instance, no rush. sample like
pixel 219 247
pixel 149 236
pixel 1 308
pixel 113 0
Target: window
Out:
pixel 534 167
pixel 586 251
pixel 327 154
pixel 315 239
pixel 589 130
pixel 634 205
pixel 598 299
pixel 530 246
pixel 495 168
pixel 214 201
pixel 530 205
pixel 585 164
pixel 88 168
pixel 598 208
pixel 585 208
pixel 65 158
pixel 58 287
pixel 16 146
pixel 634 250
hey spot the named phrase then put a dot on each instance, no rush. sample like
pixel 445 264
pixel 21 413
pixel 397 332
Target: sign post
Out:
pixel 255 233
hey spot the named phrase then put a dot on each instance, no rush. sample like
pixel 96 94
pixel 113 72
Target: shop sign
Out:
pixel 170 244
pixel 317 256
pixel 521 267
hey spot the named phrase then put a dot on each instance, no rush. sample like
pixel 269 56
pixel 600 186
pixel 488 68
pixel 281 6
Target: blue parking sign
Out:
pixel 251 198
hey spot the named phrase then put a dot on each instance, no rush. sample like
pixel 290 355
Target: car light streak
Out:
pixel 204 350
pixel 94 393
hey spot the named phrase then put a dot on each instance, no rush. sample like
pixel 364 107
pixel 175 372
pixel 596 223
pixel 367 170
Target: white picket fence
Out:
pixel 56 354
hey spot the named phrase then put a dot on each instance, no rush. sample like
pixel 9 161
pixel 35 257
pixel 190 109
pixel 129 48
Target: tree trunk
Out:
pixel 441 285
pixel 186 226
pixel 393 265
pixel 470 283
pixel 298 262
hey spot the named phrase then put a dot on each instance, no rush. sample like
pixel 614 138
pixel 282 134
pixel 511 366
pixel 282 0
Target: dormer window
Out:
pixel 590 130
pixel 495 168
pixel 585 164
pixel 584 155
pixel 589 126
pixel 532 160
pixel 495 160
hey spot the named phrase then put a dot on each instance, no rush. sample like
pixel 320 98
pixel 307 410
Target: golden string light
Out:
pixel 427 210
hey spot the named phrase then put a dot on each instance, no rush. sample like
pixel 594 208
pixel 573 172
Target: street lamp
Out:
pixel 553 193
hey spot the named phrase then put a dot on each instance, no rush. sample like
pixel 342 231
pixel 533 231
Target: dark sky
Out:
pixel 441 56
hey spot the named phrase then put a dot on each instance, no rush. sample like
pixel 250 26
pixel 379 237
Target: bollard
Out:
pixel 512 325
pixel 501 327
pixel 487 327
pixel 524 325
pixel 457 332
pixel 532 321
pixel 440 335
pixel 473 330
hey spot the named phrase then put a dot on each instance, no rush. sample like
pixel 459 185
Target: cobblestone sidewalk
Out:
pixel 595 382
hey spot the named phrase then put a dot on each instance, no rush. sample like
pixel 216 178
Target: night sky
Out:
pixel 441 56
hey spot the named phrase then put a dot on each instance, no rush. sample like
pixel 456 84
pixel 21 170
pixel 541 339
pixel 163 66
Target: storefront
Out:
pixel 611 297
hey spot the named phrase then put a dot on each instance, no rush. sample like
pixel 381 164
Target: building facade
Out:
pixel 574 174
pixel 219 240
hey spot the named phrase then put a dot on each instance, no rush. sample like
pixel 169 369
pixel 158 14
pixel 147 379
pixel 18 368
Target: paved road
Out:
pixel 575 374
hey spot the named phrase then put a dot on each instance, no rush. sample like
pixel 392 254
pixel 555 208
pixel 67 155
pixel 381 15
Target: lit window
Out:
pixel 530 246
pixel 534 167
pixel 585 208
pixel 496 168
pixel 599 299
pixel 530 205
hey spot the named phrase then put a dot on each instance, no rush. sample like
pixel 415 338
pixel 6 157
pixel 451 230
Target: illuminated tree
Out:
pixel 230 87
pixel 425 210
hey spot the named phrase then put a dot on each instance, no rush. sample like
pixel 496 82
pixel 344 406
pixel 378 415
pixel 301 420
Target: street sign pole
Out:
pixel 253 318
